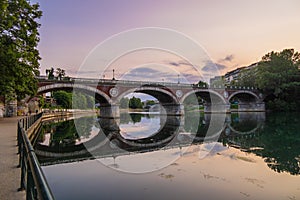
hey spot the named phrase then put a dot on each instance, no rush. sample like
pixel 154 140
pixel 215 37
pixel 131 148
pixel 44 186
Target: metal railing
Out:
pixel 32 177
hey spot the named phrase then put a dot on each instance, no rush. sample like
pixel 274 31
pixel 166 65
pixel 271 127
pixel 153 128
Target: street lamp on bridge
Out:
pixel 113 75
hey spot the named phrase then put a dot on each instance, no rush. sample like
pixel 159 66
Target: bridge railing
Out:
pixel 32 177
pixel 141 83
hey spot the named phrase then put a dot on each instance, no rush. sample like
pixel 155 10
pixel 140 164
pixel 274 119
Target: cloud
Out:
pixel 228 58
pixel 146 74
pixel 153 75
pixel 179 63
pixel 174 64
pixel 213 67
pixel 83 73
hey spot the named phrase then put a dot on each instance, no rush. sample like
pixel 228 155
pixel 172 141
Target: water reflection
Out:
pixel 63 133
pixel 274 137
pixel 138 126
pixel 277 142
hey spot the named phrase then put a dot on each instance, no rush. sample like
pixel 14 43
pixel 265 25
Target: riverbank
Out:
pixel 10 174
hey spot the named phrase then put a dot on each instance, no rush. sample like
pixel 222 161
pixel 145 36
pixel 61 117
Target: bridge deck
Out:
pixel 9 173
pixel 138 83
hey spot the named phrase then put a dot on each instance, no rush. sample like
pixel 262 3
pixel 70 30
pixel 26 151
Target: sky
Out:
pixel 232 33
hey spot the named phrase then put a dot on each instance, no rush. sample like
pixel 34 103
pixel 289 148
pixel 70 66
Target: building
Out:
pixel 235 74
pixel 216 81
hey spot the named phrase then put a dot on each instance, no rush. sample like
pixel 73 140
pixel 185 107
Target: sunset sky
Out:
pixel 233 33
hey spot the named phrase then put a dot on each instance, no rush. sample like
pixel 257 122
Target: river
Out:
pixel 150 156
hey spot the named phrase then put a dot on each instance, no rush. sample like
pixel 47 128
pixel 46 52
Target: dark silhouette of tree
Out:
pixel 202 84
pixel 60 73
pixel 50 73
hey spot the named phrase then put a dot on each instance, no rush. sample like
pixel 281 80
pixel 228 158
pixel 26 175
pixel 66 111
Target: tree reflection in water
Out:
pixel 65 133
pixel 277 142
pixel 275 138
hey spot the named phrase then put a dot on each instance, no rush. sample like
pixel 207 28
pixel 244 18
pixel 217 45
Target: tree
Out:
pixel 202 84
pixel 41 101
pixel 63 99
pixel 135 103
pixel 19 56
pixel 277 69
pixel 60 73
pixel 278 75
pixel 247 77
pixel 50 73
pixel 150 102
pixel 79 100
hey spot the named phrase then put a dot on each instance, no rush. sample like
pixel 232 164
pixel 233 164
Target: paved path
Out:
pixel 9 173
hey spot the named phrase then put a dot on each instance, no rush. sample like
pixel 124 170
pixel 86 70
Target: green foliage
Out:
pixel 41 102
pixel 277 75
pixel 79 101
pixel 135 117
pixel 135 103
pixel 277 69
pixel 63 99
pixel 19 38
pixel 277 143
pixel 150 102
pixel 247 77
pixel 66 134
pixel 234 106
pixel 202 84
pixel 76 100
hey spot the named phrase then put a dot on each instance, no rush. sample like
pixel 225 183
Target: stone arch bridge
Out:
pixel 170 95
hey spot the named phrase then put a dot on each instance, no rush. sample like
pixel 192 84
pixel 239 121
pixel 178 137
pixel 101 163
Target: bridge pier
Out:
pixel 110 111
pixel 216 108
pixel 109 124
pixel 173 109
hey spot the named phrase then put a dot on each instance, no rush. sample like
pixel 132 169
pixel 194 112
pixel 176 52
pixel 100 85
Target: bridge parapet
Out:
pixel 111 91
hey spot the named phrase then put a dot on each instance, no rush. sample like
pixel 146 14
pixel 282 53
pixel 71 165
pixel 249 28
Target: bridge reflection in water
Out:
pixel 62 142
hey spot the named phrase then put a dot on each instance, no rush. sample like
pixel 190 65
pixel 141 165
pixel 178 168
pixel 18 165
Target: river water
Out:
pixel 149 156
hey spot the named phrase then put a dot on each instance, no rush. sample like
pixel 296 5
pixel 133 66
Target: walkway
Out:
pixel 9 173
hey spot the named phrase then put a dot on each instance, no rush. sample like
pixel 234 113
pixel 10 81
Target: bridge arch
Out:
pixel 244 92
pixel 212 94
pixel 162 95
pixel 104 98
